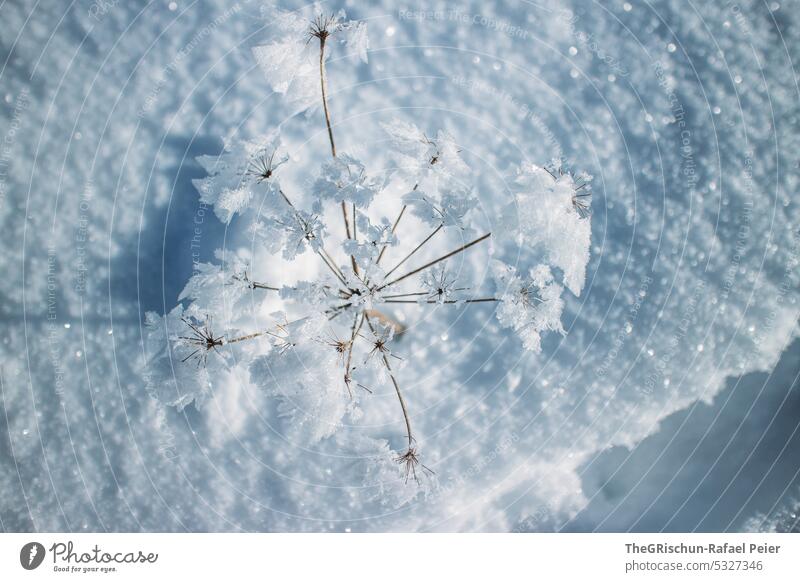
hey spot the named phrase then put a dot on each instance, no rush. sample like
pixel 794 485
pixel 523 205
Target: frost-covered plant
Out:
pixel 343 340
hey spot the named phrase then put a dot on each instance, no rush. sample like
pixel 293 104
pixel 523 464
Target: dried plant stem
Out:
pixel 260 333
pixel 323 254
pixel 255 285
pixel 417 248
pixel 481 300
pixel 326 258
pixel 346 220
pixel 396 388
pixel 342 307
pixel 324 84
pixel 337 310
pixel 244 337
pixel 406 295
pixel 355 235
pixel 394 228
pixel 418 293
pixel 289 202
pixel 332 267
pixel 359 319
pixel 323 81
pixel 460 249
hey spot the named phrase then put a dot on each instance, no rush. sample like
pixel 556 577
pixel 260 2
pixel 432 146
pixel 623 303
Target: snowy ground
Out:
pixel 667 405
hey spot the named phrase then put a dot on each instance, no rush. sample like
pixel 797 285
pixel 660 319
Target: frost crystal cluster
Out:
pixel 321 346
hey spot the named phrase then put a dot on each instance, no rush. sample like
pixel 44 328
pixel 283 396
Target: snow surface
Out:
pixel 685 115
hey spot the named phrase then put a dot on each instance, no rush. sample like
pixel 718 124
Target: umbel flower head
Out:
pixel 290 61
pixel 333 340
pixel 246 170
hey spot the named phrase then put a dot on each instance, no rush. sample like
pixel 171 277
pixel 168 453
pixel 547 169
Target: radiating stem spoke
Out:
pixel 323 254
pixel 447 301
pixel 324 85
pixel 417 248
pixel 256 285
pixel 244 337
pixel 394 229
pixel 460 249
pixel 396 388
pixel 359 319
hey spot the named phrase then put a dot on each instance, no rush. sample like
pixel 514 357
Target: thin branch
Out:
pixel 355 238
pixel 333 269
pixel 418 247
pixel 419 293
pixel 282 326
pixel 324 84
pixel 245 278
pixel 256 285
pixel 323 254
pixel 394 228
pixel 353 335
pixel 448 301
pixel 326 258
pixel 399 295
pixel 396 388
pixel 460 249
pixel 202 339
pixel 346 220
pixel 347 228
pixel 338 308
pixel 244 337
pixel 289 202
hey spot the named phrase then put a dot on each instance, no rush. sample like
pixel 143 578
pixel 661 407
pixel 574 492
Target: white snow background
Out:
pixel 667 404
